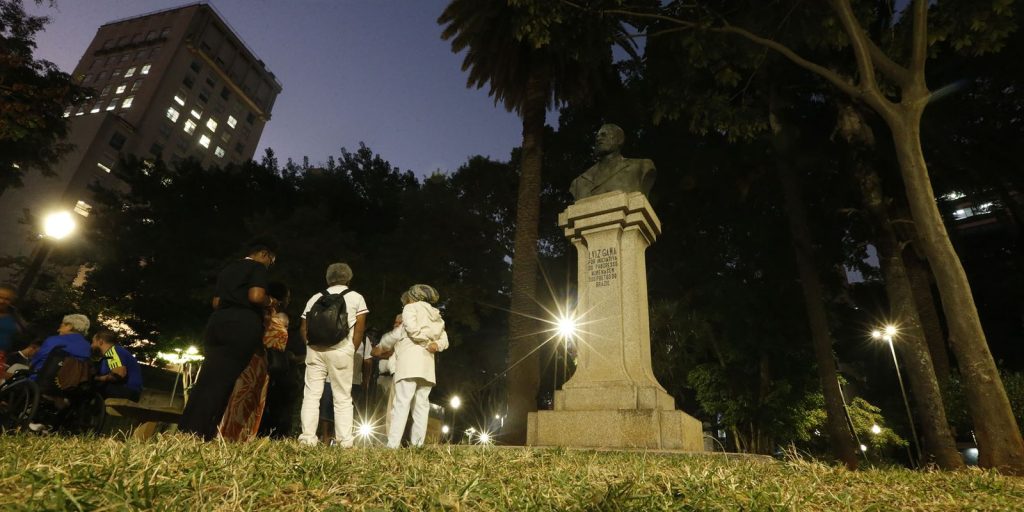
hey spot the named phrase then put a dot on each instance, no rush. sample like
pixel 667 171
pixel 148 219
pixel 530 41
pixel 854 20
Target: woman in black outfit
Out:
pixel 233 333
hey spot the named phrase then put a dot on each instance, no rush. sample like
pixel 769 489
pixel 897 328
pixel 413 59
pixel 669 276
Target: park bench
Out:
pixel 147 416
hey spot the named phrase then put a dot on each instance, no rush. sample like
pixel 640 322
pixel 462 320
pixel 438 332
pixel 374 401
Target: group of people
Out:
pixel 113 369
pixel 248 331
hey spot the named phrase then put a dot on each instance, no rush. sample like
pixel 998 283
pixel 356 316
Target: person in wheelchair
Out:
pixel 70 337
pixel 120 375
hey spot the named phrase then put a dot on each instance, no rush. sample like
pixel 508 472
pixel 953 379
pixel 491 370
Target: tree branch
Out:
pixel 919 48
pixel 887 66
pixel 835 78
pixel 862 54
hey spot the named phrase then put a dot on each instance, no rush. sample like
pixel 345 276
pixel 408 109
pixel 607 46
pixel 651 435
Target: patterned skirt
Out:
pixel 242 418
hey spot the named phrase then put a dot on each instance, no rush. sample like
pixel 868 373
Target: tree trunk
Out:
pixel 839 433
pixel 999 439
pixel 921 286
pixel 931 413
pixel 523 359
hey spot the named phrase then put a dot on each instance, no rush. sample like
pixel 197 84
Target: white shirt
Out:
pixel 354 302
pixel 361 355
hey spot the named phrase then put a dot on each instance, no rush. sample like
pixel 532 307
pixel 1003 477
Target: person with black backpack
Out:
pixel 333 324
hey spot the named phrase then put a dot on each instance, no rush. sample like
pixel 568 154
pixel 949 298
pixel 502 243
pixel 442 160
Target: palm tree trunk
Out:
pixel 523 359
pixel 999 439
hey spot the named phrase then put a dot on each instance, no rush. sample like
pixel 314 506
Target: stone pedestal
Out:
pixel 613 399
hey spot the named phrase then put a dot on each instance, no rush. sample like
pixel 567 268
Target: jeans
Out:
pixel 335 366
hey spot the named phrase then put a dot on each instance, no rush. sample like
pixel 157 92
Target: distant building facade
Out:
pixel 174 84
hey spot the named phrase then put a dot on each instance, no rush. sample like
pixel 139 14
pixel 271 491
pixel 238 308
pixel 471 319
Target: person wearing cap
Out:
pixel 420 335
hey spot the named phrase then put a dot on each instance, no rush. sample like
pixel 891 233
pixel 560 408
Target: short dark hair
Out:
pixel 262 244
pixel 277 290
pixel 106 335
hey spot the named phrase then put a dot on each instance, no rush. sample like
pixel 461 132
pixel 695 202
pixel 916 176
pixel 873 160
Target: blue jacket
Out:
pixel 74 344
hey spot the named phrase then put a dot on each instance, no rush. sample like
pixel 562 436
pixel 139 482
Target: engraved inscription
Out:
pixel 602 266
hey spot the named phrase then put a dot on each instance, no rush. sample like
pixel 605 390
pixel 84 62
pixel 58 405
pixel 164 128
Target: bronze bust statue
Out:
pixel 613 172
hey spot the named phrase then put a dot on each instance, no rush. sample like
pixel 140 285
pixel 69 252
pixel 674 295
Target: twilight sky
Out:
pixel 374 71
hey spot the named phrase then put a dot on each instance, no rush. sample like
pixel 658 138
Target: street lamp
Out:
pixel 455 402
pixel 56 226
pixel 887 333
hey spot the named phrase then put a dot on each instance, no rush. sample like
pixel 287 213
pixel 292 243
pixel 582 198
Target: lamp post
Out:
pixel 56 226
pixel 887 333
pixel 455 402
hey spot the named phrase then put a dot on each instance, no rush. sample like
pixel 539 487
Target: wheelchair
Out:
pixel 78 410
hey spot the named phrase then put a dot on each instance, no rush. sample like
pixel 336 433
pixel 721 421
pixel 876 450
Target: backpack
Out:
pixel 327 320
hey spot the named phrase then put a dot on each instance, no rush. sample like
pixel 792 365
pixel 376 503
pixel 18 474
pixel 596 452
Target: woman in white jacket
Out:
pixel 420 335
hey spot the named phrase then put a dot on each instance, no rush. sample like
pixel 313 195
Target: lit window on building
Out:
pixel 130 73
pixel 120 89
pixel 197 113
pixel 954 195
pixel 211 124
pixel 962 213
pixel 128 102
pixel 144 70
pixel 204 141
pixel 80 111
pixel 102 167
pixel 984 208
pixel 67 112
pixel 179 100
pixel 83 208
pixel 219 152
pixel 112 105
pixel 172 114
pixel 95 108
pixel 190 127
pixel 232 121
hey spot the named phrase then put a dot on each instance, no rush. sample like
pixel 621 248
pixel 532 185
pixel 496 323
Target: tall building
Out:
pixel 173 84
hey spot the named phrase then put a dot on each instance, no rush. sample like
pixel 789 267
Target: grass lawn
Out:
pixel 175 473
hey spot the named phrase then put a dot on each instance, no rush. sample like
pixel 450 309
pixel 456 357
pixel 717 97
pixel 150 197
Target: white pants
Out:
pixel 335 366
pixel 415 394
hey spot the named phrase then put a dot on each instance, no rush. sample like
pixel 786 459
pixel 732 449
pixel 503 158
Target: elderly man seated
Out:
pixel 120 375
pixel 20 359
pixel 52 361
pixel 70 337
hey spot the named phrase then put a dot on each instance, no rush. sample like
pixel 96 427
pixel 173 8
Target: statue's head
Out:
pixel 609 140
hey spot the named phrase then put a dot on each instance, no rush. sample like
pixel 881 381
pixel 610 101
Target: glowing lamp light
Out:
pixel 876 334
pixel 445 429
pixel 863 448
pixel 484 438
pixel 890 331
pixel 365 430
pixel 192 350
pixel 875 429
pixel 566 327
pixel 455 402
pixel 58 225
